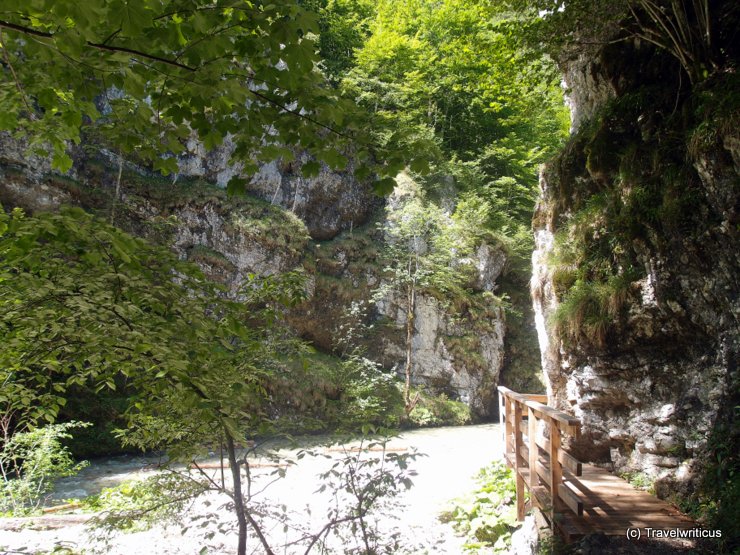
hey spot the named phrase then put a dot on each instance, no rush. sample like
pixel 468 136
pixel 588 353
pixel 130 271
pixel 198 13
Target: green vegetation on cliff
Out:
pixel 151 76
pixel 490 108
pixel 629 183
pixel 643 202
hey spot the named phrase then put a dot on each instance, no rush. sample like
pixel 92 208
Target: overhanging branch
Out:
pixel 169 62
pixel 99 46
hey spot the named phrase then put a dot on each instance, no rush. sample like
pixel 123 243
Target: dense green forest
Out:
pixel 110 341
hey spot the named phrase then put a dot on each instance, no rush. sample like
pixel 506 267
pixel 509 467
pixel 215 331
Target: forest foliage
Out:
pixel 456 75
pixel 444 89
pixel 450 80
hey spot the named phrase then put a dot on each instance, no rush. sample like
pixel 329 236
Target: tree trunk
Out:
pixel 238 499
pixel 410 311
pixel 118 190
pixel 242 515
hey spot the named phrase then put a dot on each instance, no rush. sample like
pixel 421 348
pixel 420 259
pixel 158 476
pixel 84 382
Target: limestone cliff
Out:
pixel 328 203
pixel 457 345
pixel 291 222
pixel 637 262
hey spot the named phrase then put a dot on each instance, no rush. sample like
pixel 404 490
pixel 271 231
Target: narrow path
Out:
pixel 452 458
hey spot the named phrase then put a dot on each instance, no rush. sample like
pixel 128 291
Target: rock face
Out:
pixel 328 203
pixel 228 237
pixel 637 265
pixel 457 351
pixel 459 357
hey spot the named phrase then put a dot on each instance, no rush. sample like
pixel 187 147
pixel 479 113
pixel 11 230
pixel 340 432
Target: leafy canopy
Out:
pixel 456 75
pixel 152 73
pixel 82 302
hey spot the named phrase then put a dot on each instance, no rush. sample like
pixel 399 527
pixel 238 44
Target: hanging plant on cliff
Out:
pixel 687 30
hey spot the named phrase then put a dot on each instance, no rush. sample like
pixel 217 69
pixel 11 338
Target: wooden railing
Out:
pixel 541 464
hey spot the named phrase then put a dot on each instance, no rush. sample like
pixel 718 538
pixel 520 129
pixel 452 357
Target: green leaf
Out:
pixel 385 186
pixel 310 169
pixel 236 186
pixel 61 162
pixel 166 165
pixel 135 17
pixel 8 120
pixel 420 165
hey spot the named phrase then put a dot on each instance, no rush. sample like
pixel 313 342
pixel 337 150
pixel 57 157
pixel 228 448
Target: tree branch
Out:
pixel 18 85
pixel 99 46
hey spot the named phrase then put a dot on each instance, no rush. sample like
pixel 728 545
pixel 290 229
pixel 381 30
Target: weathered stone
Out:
pixel 650 395
pixel 434 362
pixel 328 203
pixel 231 238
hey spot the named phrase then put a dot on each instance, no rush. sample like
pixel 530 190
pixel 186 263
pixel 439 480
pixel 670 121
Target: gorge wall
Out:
pixel 327 225
pixel 637 263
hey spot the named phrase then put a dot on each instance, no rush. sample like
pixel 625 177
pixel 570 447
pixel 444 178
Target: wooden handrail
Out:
pixel 538 463
pixel 558 415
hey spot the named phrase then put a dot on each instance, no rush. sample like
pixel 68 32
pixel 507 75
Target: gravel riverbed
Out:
pixel 451 458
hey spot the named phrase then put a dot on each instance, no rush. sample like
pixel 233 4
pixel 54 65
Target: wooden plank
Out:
pixel 571 499
pixel 570 462
pixel 566 459
pixel 64 507
pixel 524 472
pixel 509 460
pixel 542 498
pixel 560 416
pixel 611 505
pixel 532 453
pixel 556 473
pixel 598 500
pixel 520 497
pixel 502 414
pixel 518 442
pixel 543 473
pixel 572 528
pixel 505 390
pixel 534 397
pixel 508 428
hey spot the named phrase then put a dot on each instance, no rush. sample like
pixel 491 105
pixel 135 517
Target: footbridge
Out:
pixel 577 499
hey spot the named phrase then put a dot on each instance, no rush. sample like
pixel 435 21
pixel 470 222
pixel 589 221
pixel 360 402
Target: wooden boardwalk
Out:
pixel 588 499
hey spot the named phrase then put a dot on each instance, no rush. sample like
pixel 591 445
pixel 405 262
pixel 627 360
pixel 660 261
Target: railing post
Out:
pixel 508 427
pixel 518 443
pixel 556 471
pixel 502 415
pixel 533 451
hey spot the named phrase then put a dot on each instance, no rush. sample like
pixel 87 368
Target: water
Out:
pixel 452 458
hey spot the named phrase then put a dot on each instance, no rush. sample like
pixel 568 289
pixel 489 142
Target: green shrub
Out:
pixel 439 411
pixel 347 394
pixel 30 463
pixel 137 505
pixel 590 307
pixel 640 480
pixel 487 517
pixel 370 395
